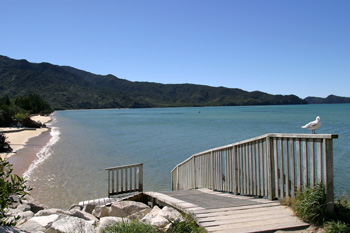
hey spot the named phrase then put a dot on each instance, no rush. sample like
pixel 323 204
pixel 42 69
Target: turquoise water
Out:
pixel 84 143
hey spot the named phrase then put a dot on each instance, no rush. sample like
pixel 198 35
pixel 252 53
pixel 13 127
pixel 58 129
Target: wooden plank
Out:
pixel 280 158
pixel 266 228
pixel 292 167
pixel 312 162
pixel 319 160
pixel 275 157
pixel 247 219
pixel 329 176
pixel 305 164
pixel 261 168
pixel 228 210
pixel 286 166
pixel 242 212
pixel 239 217
pixel 299 175
pixel 248 225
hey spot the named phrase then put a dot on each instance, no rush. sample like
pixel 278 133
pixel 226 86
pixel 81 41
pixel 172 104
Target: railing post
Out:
pixel 329 175
pixel 235 170
pixel 270 168
pixel 194 172
pixel 141 177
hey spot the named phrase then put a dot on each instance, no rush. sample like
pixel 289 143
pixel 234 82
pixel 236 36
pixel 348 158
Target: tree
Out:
pixel 11 188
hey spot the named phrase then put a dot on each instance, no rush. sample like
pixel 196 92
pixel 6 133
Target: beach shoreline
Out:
pixel 25 144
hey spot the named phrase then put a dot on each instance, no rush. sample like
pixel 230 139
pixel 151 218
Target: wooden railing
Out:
pixel 272 165
pixel 125 179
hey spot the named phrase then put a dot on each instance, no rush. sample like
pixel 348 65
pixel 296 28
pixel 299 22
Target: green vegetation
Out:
pixel 187 226
pixel 130 227
pixel 311 207
pixel 16 111
pixel 4 144
pixel 12 187
pixel 69 88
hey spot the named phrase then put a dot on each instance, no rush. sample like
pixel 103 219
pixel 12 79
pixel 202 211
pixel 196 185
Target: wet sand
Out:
pixel 25 156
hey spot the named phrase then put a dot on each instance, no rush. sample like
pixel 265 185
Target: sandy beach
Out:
pixel 18 137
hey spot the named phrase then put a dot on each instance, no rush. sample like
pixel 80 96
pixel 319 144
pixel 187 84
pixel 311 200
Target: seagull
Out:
pixel 313 125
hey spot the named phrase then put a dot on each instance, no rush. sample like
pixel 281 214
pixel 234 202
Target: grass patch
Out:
pixel 188 225
pixel 311 207
pixel 130 227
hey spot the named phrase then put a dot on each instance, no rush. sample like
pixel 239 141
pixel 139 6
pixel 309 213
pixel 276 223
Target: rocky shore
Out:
pixel 90 218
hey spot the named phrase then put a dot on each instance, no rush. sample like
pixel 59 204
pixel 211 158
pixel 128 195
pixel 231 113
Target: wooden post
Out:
pixel 141 177
pixel 329 176
pixel 270 169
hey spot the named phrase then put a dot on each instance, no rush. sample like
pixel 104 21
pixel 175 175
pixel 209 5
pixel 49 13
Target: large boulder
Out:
pixel 83 215
pixel 171 213
pixel 68 224
pixel 39 223
pixel 139 215
pixel 108 221
pixel 89 208
pixel 7 229
pixel 160 217
pixel 125 208
pixel 48 212
pixel 101 211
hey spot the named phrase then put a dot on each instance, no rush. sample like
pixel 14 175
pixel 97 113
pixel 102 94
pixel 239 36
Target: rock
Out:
pixel 39 223
pixel 159 217
pixel 13 212
pixel 51 211
pixel 101 211
pixel 158 221
pixel 170 213
pixel 6 229
pixel 76 207
pixel 126 208
pixel 26 215
pixel 107 221
pixel 35 208
pixel 83 215
pixel 89 208
pixel 68 224
pixel 23 207
pixel 139 215
pixel 154 212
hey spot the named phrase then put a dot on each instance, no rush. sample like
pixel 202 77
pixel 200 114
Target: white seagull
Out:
pixel 313 125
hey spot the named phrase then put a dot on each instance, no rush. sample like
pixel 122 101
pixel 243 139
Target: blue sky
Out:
pixel 299 47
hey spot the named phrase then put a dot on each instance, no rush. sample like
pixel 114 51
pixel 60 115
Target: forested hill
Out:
pixel 331 99
pixel 69 88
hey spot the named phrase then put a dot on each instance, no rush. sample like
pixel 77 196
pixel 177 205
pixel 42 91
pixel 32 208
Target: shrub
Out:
pixel 342 210
pixel 130 227
pixel 11 187
pixel 188 225
pixel 311 205
pixel 4 144
pixel 336 227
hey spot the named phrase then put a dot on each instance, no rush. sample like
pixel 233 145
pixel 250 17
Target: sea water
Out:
pixel 71 167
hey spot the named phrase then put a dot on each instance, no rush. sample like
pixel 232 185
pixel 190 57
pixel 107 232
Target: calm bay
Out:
pixel 71 167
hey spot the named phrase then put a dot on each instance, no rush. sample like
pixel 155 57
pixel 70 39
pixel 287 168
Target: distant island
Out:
pixel 65 87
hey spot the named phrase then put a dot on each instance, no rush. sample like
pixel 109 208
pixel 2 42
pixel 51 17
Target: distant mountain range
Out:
pixel 65 87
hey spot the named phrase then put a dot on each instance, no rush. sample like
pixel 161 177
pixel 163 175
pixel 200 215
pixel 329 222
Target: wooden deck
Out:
pixel 224 212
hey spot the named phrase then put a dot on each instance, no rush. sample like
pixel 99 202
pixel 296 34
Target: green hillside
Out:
pixel 69 88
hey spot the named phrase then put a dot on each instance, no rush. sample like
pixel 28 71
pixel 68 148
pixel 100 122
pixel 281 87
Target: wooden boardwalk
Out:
pixel 224 212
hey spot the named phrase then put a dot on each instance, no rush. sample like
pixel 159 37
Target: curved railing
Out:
pixel 272 165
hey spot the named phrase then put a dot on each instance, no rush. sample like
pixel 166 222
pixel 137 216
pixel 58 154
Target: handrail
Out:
pixel 273 165
pixel 125 179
